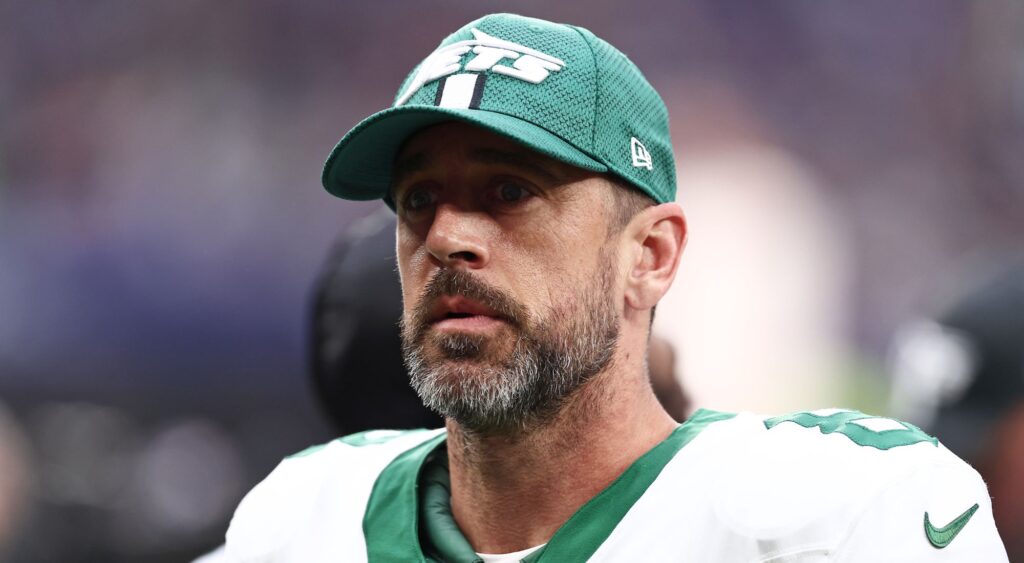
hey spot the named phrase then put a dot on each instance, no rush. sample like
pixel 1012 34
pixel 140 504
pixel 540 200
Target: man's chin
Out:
pixel 452 346
pixel 449 361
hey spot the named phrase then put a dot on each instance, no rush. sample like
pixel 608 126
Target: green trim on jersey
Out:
pixel 441 538
pixel 845 423
pixel 391 522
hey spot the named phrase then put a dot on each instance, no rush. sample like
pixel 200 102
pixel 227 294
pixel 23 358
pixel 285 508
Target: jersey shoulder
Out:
pixel 834 456
pixel 833 437
pixel 808 480
pixel 319 494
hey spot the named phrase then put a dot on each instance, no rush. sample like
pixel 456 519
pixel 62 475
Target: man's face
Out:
pixel 509 276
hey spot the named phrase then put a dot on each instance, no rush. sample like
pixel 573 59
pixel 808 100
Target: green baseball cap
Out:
pixel 555 88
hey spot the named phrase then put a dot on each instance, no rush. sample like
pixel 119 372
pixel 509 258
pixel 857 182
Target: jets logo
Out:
pixel 489 53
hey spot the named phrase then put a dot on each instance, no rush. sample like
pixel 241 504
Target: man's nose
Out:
pixel 456 237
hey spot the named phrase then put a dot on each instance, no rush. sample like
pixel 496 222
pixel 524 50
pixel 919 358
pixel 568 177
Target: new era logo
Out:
pixel 488 51
pixel 641 158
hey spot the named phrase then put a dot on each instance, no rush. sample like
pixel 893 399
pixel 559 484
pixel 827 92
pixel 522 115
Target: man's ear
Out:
pixel 657 236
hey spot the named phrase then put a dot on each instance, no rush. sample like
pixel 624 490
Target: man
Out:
pixel 530 168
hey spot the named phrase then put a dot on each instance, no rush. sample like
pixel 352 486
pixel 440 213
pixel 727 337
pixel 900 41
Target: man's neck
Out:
pixel 512 491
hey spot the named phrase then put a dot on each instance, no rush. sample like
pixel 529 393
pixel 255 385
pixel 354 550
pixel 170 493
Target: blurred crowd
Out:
pixel 177 311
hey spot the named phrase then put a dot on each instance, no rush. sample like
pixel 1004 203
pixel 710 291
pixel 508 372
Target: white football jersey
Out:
pixel 821 486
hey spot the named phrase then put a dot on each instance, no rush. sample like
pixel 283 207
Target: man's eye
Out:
pixel 418 199
pixel 511 192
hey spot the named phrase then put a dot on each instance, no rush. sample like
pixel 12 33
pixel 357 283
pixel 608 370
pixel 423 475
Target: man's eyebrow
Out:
pixel 522 161
pixel 406 167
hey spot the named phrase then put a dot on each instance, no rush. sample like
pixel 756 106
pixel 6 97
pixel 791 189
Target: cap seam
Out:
pixel 597 94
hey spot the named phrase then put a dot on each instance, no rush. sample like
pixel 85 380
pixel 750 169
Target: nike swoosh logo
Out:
pixel 941 537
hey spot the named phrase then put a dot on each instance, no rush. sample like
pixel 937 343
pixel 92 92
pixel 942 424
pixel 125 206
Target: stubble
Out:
pixel 522 376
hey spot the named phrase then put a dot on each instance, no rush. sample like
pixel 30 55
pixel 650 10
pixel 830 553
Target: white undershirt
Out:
pixel 508 557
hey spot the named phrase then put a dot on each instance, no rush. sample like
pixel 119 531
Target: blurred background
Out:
pixel 847 170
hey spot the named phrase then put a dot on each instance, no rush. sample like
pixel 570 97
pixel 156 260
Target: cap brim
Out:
pixel 359 167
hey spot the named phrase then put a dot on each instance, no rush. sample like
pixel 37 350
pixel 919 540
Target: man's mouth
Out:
pixel 458 313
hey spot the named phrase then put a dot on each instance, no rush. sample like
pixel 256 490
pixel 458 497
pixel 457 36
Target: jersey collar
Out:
pixel 413 494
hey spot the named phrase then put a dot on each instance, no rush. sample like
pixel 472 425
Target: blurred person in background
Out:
pixel 15 481
pixel 961 376
pixel 661 366
pixel 536 234
pixel 355 347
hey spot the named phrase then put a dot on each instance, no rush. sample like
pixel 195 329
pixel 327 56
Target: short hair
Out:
pixel 627 201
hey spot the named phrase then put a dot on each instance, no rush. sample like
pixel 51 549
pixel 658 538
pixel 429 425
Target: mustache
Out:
pixel 448 282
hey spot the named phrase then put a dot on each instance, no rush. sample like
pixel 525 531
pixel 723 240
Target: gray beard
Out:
pixel 547 365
